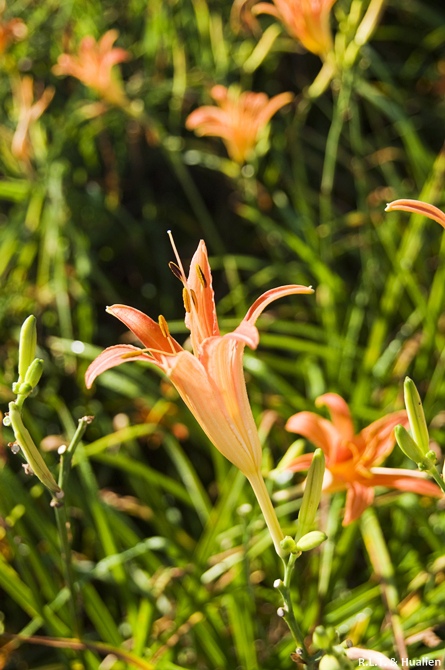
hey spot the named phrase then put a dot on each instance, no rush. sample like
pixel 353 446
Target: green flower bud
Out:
pixel 34 373
pixel 288 545
pixel 329 662
pixel 27 345
pixel 416 416
pixel 312 495
pixel 30 451
pixel 323 637
pixel 311 540
pixel 407 445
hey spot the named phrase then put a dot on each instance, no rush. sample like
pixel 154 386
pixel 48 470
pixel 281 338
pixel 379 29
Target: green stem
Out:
pixel 268 510
pixel 62 521
pixel 289 615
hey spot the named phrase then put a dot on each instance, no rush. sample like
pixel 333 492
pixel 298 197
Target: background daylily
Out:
pixel 352 460
pixel 93 66
pixel 305 20
pixel 28 111
pixel 210 380
pixel 238 118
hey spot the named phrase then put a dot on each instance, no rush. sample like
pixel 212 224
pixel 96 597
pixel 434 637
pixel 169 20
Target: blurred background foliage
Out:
pixel 158 534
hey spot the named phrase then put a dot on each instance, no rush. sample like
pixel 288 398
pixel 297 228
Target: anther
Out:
pixel 194 298
pixel 186 299
pixel 176 270
pixel 163 326
pixel 201 275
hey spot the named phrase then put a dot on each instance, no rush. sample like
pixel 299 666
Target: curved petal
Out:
pixel 208 120
pixel 379 437
pixel 273 294
pixel 417 207
pixel 358 498
pixel 405 480
pixel 272 107
pixel 340 414
pixel 111 357
pixel 201 320
pixel 207 403
pixel 145 329
pixel 316 429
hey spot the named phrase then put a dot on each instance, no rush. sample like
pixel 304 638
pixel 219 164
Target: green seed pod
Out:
pixel 416 416
pixel 311 540
pixel 312 495
pixel 288 545
pixel 34 373
pixel 407 445
pixel 30 451
pixel 27 345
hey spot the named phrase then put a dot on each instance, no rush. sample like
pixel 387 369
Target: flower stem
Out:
pixel 262 494
pixel 289 615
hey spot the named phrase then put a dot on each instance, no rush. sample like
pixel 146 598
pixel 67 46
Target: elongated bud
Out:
pixel 407 445
pixel 30 451
pixel 312 495
pixel 416 416
pixel 27 345
pixel 311 540
pixel 34 373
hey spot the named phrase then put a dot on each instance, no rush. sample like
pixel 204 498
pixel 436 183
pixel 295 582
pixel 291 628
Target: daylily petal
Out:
pixel 273 294
pixel 113 356
pixel 145 329
pixel 207 404
pixel 405 480
pixel 201 320
pixel 417 207
pixel 379 437
pixel 319 431
pixel 301 463
pixel 340 414
pixel 358 498
pixel 224 364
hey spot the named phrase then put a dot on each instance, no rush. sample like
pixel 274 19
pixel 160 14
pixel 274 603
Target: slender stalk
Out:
pixel 289 615
pixel 268 510
pixel 62 521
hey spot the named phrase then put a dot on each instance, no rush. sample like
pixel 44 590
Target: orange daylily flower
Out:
pixel 306 20
pixel 238 118
pixel 352 460
pixel 210 380
pixel 28 113
pixel 417 207
pixel 93 66
pixel 11 31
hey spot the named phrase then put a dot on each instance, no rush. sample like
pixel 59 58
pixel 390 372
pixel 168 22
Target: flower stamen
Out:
pixel 201 276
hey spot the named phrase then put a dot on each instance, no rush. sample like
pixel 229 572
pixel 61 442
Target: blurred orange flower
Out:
pixel 10 31
pixel 28 112
pixel 238 118
pixel 93 66
pixel 305 20
pixel 351 459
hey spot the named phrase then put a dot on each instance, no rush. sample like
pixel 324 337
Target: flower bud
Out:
pixel 311 540
pixel 34 373
pixel 416 416
pixel 322 637
pixel 288 545
pixel 27 345
pixel 407 445
pixel 30 451
pixel 311 495
pixel 329 662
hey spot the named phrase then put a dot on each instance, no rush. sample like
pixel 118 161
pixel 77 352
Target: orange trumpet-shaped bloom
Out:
pixel 93 66
pixel 306 20
pixel 210 380
pixel 352 459
pixel 28 113
pixel 417 207
pixel 238 118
